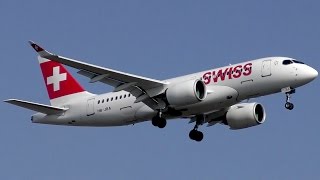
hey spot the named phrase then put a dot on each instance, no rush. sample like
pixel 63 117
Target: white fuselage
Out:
pixel 226 86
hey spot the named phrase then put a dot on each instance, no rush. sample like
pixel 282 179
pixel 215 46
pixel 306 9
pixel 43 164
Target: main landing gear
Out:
pixel 194 133
pixel 288 104
pixel 159 121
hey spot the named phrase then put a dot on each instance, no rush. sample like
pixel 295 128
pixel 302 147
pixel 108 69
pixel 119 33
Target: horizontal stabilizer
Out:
pixel 45 109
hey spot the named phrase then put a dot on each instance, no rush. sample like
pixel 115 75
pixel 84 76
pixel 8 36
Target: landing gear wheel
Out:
pixel 199 136
pixel 192 134
pixel 155 121
pixel 159 122
pixel 162 122
pixel 196 135
pixel 289 105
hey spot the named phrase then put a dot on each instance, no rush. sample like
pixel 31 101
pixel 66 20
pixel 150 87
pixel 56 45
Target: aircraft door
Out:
pixel 90 107
pixel 266 68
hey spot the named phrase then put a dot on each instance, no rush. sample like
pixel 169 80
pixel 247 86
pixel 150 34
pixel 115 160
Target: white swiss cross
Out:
pixel 56 78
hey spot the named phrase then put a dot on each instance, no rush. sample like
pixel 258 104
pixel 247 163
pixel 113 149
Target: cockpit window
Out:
pixel 286 62
pixel 295 61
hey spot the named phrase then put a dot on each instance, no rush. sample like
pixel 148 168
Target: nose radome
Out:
pixel 310 73
pixel 313 73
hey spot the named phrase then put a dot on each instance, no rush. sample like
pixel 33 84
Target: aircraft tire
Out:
pixel 289 106
pixel 155 121
pixel 196 135
pixel 199 136
pixel 162 122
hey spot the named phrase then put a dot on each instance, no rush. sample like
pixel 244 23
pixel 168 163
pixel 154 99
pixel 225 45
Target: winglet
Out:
pixel 42 52
pixel 36 47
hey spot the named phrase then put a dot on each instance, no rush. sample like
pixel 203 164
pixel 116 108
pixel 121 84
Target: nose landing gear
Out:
pixel 288 104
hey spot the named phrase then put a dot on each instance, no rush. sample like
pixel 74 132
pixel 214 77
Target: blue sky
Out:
pixel 158 39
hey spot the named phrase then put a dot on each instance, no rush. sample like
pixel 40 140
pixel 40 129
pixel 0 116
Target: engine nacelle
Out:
pixel 186 93
pixel 245 115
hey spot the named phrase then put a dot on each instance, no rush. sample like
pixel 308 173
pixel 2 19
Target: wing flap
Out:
pixel 45 109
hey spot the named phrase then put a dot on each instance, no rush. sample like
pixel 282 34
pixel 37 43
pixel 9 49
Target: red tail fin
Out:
pixel 58 80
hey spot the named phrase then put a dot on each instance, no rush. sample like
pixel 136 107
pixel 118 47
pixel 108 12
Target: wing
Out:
pixel 45 109
pixel 144 89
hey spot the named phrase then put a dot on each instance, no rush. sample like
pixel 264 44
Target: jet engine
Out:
pixel 245 115
pixel 186 93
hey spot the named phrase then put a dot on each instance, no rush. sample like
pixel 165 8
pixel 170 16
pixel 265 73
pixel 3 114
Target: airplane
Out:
pixel 208 97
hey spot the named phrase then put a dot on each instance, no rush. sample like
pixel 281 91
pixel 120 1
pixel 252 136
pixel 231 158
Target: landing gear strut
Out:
pixel 194 133
pixel 288 104
pixel 159 121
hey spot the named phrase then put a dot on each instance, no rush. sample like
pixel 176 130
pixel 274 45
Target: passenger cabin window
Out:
pixel 286 62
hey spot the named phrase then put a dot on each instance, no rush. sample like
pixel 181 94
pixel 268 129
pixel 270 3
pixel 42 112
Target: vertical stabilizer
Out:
pixel 61 85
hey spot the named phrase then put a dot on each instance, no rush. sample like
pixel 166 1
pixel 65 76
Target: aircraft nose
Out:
pixel 309 73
